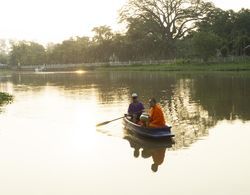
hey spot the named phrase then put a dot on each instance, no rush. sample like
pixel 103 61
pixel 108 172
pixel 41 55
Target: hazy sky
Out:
pixel 55 20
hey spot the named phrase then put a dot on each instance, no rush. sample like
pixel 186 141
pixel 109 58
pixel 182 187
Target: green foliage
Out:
pixel 247 50
pixel 27 53
pixel 232 27
pixel 102 33
pixel 206 44
pixel 5 98
pixel 185 48
pixel 156 30
pixel 3 52
pixel 102 48
pixel 74 50
pixel 3 58
pixel 164 21
pixel 224 51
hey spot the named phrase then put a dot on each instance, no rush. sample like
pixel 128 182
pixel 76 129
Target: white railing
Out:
pixel 98 64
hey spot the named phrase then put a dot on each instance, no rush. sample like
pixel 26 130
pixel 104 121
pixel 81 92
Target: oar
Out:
pixel 107 122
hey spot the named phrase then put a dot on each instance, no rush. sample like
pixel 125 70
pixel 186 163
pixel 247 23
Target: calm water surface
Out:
pixel 49 143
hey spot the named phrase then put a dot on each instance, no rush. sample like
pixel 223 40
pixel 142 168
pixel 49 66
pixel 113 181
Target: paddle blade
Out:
pixel 101 124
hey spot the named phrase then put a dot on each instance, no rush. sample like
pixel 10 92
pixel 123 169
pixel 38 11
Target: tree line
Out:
pixel 156 29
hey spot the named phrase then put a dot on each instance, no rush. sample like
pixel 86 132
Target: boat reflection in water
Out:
pixel 146 148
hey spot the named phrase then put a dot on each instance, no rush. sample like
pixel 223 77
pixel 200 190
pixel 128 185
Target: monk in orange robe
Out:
pixel 157 119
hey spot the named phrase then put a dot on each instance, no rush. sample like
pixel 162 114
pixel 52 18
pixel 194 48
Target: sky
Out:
pixel 47 21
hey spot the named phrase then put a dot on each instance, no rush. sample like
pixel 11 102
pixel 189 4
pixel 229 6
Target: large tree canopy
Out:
pixel 170 19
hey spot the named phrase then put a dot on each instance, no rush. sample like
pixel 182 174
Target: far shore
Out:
pixel 233 66
pixel 181 67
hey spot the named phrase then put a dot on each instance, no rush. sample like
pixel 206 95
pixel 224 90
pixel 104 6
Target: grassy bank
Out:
pixel 182 67
pixel 5 98
pixel 4 72
pixel 177 66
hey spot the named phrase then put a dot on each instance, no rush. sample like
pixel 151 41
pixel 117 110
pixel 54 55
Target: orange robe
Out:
pixel 156 117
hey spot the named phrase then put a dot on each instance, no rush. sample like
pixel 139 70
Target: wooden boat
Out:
pixel 137 141
pixel 164 132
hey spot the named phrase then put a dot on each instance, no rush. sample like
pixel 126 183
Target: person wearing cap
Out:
pixel 135 108
pixel 156 115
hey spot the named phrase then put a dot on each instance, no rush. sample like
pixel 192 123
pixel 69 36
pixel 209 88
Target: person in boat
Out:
pixel 135 108
pixel 156 115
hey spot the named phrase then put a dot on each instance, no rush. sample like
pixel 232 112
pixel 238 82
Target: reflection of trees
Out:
pixel 224 97
pixel 145 84
pixel 5 98
pixel 190 120
pixel 192 102
pixel 111 86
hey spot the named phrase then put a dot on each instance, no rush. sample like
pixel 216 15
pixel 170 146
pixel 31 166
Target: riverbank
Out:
pixel 181 67
pixel 4 72
pixel 191 66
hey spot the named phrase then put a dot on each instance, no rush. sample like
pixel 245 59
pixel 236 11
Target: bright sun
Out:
pixel 80 72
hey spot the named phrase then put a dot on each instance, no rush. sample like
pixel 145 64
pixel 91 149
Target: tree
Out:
pixel 102 48
pixel 27 53
pixel 185 48
pixel 206 44
pixel 3 46
pixel 242 22
pixel 102 33
pixel 3 58
pixel 142 40
pixel 219 22
pixel 171 19
pixel 239 44
pixel 232 27
pixel 73 50
pixel 247 50
pixel 3 52
pixel 224 51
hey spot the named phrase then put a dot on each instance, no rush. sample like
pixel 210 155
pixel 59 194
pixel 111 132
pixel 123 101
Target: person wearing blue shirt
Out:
pixel 135 109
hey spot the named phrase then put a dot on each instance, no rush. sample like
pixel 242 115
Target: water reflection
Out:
pixel 225 97
pixel 193 103
pixel 190 120
pixel 149 148
pixel 49 141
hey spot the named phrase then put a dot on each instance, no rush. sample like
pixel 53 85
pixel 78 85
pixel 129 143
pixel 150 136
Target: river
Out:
pixel 49 142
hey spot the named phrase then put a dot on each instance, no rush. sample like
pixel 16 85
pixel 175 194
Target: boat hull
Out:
pixel 148 132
